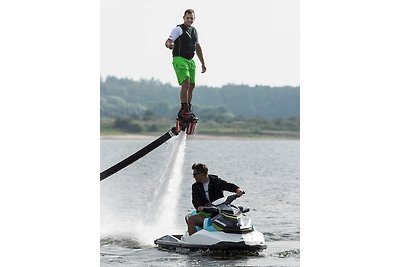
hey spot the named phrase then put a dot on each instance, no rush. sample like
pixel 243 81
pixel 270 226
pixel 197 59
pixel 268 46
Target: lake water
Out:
pixel 150 198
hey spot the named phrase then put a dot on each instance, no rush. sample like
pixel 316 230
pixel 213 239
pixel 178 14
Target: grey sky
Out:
pixel 249 42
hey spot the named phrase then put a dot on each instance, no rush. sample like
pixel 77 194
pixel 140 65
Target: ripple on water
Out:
pixel 286 254
pixel 121 242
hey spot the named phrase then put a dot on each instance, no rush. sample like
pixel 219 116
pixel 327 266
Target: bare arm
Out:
pixel 199 53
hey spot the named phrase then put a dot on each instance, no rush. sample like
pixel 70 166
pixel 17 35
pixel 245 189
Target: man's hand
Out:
pixel 201 208
pixel 169 44
pixel 203 68
pixel 239 192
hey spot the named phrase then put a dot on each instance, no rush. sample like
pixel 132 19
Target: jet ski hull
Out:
pixel 205 241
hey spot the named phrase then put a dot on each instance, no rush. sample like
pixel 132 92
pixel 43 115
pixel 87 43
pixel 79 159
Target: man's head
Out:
pixel 188 17
pixel 200 172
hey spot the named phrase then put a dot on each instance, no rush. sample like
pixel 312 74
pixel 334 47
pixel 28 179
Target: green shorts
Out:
pixel 185 69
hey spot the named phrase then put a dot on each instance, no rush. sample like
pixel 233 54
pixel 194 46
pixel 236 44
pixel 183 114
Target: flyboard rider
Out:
pixel 184 43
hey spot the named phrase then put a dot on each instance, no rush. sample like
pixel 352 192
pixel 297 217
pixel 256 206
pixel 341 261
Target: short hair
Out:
pixel 188 11
pixel 200 168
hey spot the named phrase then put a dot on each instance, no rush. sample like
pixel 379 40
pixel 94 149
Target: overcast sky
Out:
pixel 244 42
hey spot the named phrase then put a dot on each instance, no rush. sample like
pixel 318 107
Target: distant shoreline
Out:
pixel 201 137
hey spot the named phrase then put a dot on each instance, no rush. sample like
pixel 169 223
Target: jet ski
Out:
pixel 227 229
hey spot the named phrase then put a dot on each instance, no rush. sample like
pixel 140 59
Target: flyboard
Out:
pixel 185 124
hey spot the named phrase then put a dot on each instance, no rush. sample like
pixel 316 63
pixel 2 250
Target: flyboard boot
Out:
pixel 186 120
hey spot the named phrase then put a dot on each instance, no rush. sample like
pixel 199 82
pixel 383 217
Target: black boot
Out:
pixel 190 112
pixel 182 112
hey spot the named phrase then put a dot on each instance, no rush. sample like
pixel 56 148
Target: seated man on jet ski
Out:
pixel 205 190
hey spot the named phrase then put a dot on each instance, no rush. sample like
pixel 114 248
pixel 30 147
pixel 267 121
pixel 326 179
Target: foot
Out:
pixel 180 115
pixel 188 113
pixel 191 116
pixel 188 116
pixel 184 114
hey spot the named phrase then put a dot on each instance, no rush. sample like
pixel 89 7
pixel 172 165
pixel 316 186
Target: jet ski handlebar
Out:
pixel 223 201
pixel 231 198
pixel 211 209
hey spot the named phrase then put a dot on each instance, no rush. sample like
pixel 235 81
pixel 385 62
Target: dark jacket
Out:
pixel 185 45
pixel 216 186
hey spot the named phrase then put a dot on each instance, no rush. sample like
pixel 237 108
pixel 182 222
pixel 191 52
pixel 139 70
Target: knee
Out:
pixel 191 220
pixel 186 84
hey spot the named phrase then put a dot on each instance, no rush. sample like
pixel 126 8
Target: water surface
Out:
pixel 136 207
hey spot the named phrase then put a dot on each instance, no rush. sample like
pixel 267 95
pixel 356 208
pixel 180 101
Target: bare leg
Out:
pixel 190 92
pixel 184 91
pixel 193 221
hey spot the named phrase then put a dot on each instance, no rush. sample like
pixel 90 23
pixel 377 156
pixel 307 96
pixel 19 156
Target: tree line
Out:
pixel 150 106
pixel 124 98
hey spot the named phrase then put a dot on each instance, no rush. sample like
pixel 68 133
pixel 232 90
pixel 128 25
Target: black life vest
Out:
pixel 185 45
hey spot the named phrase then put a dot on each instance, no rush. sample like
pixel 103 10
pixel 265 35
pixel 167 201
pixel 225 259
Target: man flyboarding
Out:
pixel 184 43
